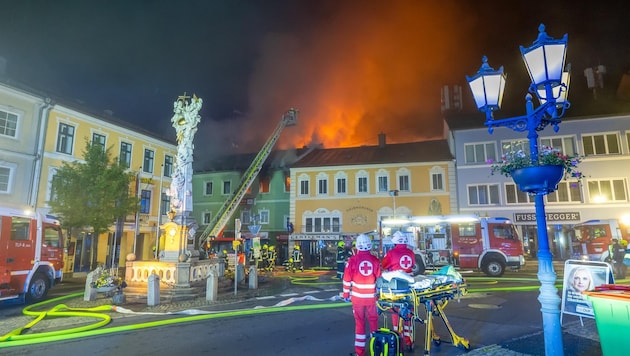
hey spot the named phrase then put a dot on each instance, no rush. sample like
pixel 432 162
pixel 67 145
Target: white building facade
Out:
pixel 604 143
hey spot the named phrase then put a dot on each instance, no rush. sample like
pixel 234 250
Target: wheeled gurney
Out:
pixel 403 295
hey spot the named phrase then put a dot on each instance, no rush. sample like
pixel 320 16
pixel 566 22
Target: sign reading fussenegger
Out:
pixel 561 216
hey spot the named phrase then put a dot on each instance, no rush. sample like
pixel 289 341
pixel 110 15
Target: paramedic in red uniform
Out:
pixel 359 281
pixel 400 258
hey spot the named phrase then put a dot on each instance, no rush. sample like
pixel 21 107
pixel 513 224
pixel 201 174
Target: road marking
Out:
pixel 312 292
pixel 267 297
pixel 289 295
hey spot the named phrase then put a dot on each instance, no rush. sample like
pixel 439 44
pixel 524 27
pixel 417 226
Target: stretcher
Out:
pixel 431 294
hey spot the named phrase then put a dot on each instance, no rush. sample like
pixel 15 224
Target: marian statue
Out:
pixel 185 120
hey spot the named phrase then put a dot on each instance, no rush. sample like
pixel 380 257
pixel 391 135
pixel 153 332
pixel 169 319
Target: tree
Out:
pixel 94 193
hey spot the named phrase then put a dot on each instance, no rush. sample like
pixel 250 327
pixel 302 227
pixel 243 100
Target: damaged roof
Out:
pixel 424 151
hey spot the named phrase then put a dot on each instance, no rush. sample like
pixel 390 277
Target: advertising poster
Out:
pixel 581 276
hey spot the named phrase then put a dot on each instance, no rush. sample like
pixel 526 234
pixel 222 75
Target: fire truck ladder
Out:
pixel 229 206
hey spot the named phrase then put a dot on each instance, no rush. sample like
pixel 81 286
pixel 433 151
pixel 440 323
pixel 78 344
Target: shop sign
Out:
pixel 562 216
pixel 294 237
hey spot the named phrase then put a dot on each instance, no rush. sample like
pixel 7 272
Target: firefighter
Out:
pixel 262 259
pixel 341 259
pixel 400 258
pixel 271 258
pixel 298 259
pixel 359 281
pixel 223 256
pixel 617 253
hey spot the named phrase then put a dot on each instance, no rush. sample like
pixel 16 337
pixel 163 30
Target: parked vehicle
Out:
pixel 466 241
pixel 593 237
pixel 31 254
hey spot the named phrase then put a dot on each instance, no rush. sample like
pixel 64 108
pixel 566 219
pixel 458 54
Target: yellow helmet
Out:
pixel 341 244
pixel 265 247
pixel 271 248
pixel 225 252
pixel 297 247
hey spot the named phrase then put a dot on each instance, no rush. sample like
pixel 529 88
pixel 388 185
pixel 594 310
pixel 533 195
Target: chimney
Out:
pixel 381 140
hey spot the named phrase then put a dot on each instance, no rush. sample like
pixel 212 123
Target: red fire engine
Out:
pixel 31 254
pixel 465 241
pixel 593 237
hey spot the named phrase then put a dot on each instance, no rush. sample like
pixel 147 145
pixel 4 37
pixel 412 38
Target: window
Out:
pixel 264 216
pixel 5 179
pixel 207 216
pixel 125 154
pixel 147 165
pixel 483 194
pixel 20 228
pixel 145 201
pixel 437 179
pixel 564 144
pixel 382 179
pixel 98 139
pixel 322 184
pixel 603 191
pixel 264 184
pixel 362 183
pixel 467 229
pixel 65 139
pixel 168 166
pixel 402 176
pixel 52 236
pixel 340 186
pixel 208 190
pixel 480 152
pixel 54 181
pixel 323 222
pixel 304 188
pixel 403 183
pixel 246 216
pixel 227 187
pixel 603 144
pixel 166 204
pixel 514 146
pixel 287 184
pixel 515 196
pixel 566 192
pixel 8 123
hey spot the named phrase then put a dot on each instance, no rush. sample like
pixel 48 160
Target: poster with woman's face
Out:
pixel 582 276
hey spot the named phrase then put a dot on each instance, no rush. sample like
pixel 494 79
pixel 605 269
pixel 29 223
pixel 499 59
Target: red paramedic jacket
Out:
pixel 400 258
pixel 359 278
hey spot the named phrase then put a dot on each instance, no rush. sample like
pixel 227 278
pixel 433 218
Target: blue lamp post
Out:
pixel 545 63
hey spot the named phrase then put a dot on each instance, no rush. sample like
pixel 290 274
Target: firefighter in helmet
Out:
pixel 341 258
pixel 262 259
pixel 271 258
pixel 298 258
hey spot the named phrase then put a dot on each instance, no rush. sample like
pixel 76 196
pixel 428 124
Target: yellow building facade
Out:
pixel 149 158
pixel 337 194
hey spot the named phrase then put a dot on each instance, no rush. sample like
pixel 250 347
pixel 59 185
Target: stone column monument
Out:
pixel 179 233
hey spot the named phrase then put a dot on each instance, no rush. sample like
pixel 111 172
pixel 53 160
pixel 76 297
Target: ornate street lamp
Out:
pixel 545 62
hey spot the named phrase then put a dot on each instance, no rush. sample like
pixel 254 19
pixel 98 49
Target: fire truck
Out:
pixel 31 254
pixel 592 238
pixel 466 241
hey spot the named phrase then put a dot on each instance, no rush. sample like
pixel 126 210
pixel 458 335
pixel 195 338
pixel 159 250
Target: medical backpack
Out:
pixel 385 342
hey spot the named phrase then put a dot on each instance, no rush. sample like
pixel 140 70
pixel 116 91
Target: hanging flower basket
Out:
pixel 538 179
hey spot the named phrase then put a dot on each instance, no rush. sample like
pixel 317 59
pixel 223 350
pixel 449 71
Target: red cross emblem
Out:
pixel 365 268
pixel 405 262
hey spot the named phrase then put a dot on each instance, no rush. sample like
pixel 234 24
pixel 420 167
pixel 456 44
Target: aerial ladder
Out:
pixel 229 206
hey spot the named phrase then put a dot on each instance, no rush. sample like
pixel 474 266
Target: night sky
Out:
pixel 352 68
